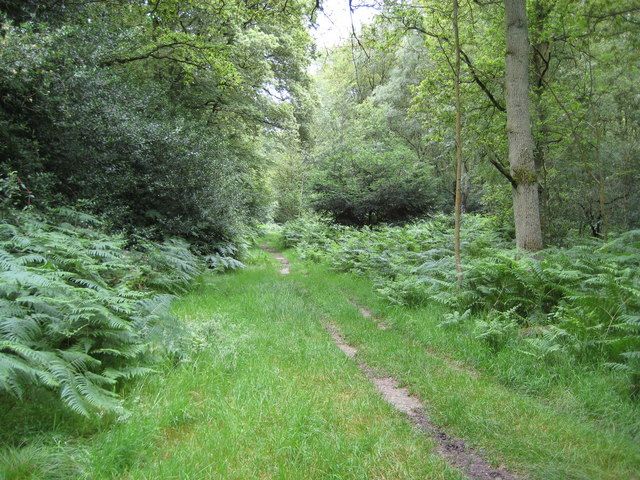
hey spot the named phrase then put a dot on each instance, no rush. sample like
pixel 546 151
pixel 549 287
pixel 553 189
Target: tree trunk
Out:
pixel 601 180
pixel 465 187
pixel 526 208
pixel 458 201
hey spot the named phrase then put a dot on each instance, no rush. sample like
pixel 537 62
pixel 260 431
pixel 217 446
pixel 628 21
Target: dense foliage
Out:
pixel 582 302
pixel 154 113
pixel 79 311
pixel 386 101
pixel 363 173
pixel 144 141
pixel 158 118
pixel 193 121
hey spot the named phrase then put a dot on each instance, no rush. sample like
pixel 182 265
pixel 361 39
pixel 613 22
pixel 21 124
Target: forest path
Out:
pixel 477 423
pixel 299 372
pixel 271 397
pixel 454 450
pixel 284 263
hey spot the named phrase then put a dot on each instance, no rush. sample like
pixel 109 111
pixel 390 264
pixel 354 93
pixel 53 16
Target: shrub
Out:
pixel 78 311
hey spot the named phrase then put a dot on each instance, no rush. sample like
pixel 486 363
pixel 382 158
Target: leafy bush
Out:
pixel 78 311
pixel 160 127
pixel 581 302
pixel 366 186
pixel 497 328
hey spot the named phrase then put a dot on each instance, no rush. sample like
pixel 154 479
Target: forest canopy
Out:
pixel 389 94
pixel 157 115
pixel 200 119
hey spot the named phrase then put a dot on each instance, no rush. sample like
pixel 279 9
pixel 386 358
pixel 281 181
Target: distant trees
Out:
pixel 562 108
pixel 369 163
pixel 199 118
pixel 288 177
pixel 363 175
pixel 458 196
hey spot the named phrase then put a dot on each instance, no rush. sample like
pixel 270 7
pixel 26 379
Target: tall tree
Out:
pixel 526 208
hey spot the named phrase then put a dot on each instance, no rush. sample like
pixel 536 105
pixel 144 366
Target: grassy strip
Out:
pixel 266 395
pixel 537 434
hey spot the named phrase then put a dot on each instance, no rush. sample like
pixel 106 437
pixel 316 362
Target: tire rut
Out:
pixel 452 363
pixel 367 313
pixel 454 450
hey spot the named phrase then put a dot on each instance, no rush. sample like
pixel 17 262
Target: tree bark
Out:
pixel 458 200
pixel 526 208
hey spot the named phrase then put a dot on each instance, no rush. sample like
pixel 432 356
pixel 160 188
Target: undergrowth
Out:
pixel 580 303
pixel 79 311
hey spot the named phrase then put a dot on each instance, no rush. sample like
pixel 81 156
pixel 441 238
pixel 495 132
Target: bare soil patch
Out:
pixel 453 449
pixel 347 349
pixel 284 263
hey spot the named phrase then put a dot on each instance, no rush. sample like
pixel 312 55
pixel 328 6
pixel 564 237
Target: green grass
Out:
pixel 267 394
pixel 548 421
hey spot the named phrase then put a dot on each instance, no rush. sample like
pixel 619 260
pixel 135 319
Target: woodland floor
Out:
pixel 307 375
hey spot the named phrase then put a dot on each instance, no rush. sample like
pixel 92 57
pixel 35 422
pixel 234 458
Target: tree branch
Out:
pixel 465 58
pixel 503 170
